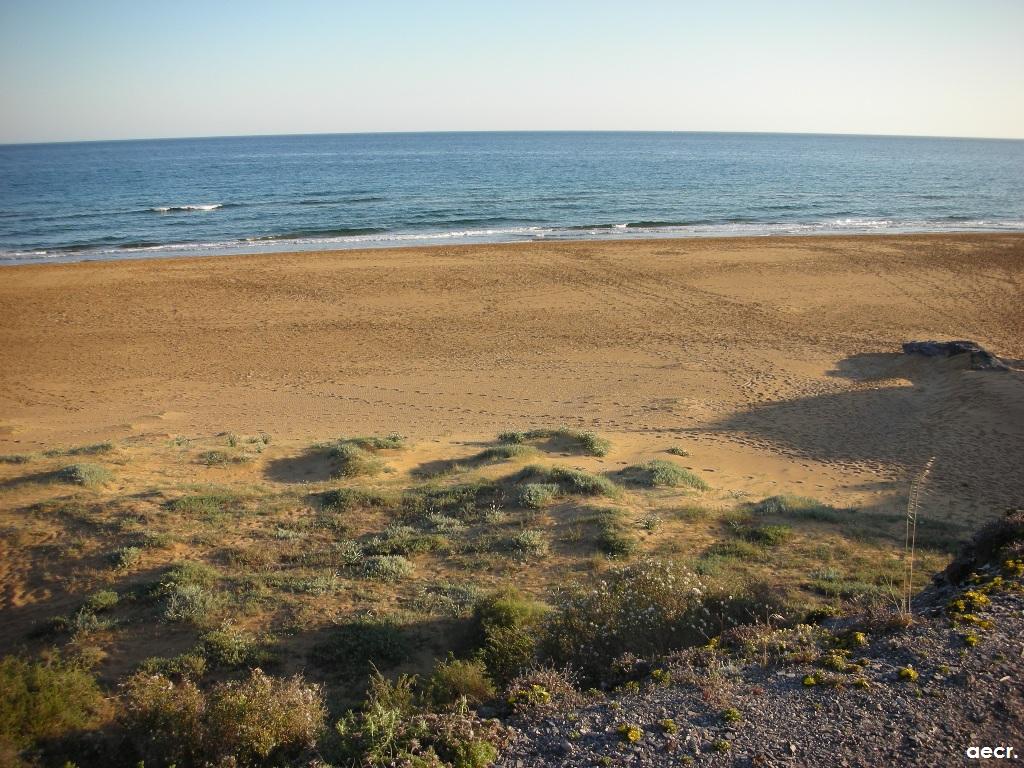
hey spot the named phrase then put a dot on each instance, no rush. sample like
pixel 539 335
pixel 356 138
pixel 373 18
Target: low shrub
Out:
pixel 530 544
pixel 44 700
pixel 230 647
pixel 391 729
pixel 647 608
pixel 353 461
pixel 103 600
pixel 399 539
pixel 589 442
pixel 210 506
pixel 81 450
pixel 191 664
pixel 256 721
pixel 455 600
pixel 614 541
pixel 505 452
pixel 124 558
pixel 188 594
pixel 766 535
pixel 739 550
pixel 658 473
pixel 347 499
pixel 537 495
pixel 799 507
pixel 393 441
pixel 454 679
pixel 350 649
pixel 387 568
pixel 574 481
pixel 542 690
pixel 506 624
pixel 87 475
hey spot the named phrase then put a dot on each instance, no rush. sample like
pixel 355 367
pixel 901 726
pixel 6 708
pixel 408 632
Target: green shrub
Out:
pixel 352 461
pixel 210 506
pixel 739 550
pixel 690 513
pixel 88 475
pixel 589 442
pixel 81 450
pixel 615 541
pixel 444 524
pixel 15 458
pixel 351 648
pixel 537 495
pixel 647 608
pixel 799 507
pixel 574 481
pixel 530 544
pixel 506 625
pixel 658 473
pixel 505 452
pixel 230 646
pixel 456 600
pixel 508 608
pixel 766 535
pixel 188 594
pixel 45 700
pixel 465 501
pixel 261 719
pixel 543 689
pixel 394 441
pixel 347 499
pixel 391 729
pixel 399 539
pixel 455 679
pixel 191 664
pixel 191 572
pixel 157 540
pixel 264 717
pixel 163 720
pixel 103 600
pixel 124 558
pixel 387 568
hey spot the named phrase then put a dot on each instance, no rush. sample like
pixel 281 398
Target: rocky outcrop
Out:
pixel 981 358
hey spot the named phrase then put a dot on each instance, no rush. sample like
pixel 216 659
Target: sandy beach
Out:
pixel 775 360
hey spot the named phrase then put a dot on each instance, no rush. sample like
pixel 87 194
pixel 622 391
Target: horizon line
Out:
pixel 499 131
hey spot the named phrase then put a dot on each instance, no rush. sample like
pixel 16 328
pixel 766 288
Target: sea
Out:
pixel 134 199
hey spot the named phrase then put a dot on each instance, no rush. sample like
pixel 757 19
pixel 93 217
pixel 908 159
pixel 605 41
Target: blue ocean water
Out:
pixel 230 195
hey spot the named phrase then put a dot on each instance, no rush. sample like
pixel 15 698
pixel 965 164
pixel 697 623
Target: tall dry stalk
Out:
pixel 910 541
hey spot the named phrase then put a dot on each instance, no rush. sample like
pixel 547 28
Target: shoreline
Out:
pixel 638 240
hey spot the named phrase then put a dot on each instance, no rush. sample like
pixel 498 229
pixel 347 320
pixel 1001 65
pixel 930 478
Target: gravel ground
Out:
pixel 964 696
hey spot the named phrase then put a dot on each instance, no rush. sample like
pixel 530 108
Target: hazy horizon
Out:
pixel 516 131
pixel 120 71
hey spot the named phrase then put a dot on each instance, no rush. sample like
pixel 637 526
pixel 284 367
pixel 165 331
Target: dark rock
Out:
pixel 981 358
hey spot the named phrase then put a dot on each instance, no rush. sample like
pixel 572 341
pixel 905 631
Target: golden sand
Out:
pixel 774 361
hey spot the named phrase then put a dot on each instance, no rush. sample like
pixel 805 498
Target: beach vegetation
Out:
pixel 572 481
pixel 46 699
pixel 87 475
pixel 255 721
pixel 658 473
pixel 588 442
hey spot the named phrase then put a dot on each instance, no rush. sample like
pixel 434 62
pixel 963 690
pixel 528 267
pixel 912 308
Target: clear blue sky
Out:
pixel 74 69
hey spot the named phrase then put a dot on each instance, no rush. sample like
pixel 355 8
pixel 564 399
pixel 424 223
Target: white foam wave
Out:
pixel 523 233
pixel 192 207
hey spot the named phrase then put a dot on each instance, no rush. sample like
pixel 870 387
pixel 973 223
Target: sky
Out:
pixel 107 69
